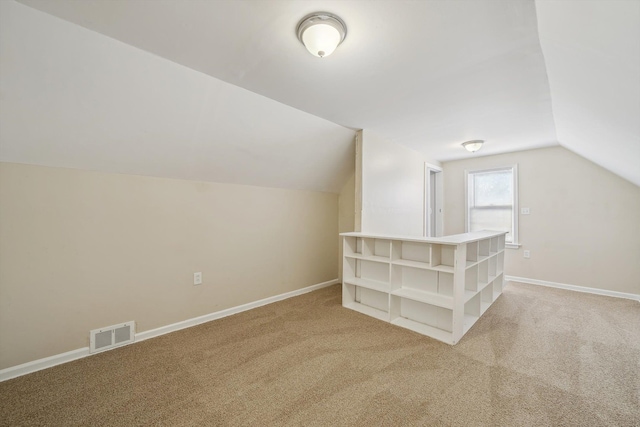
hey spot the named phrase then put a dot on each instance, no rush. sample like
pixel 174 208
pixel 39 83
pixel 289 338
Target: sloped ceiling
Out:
pixel 592 52
pixel 70 97
pixel 425 74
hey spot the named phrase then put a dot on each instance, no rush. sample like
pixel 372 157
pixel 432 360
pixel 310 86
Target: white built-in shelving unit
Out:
pixel 434 286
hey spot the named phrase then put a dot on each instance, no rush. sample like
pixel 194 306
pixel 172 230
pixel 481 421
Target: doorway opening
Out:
pixel 433 201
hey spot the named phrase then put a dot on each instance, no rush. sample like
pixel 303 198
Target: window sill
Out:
pixel 512 245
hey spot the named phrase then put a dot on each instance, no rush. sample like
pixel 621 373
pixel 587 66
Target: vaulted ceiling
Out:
pixel 426 74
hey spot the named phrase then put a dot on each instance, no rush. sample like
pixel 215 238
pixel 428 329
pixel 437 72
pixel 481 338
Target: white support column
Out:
pixel 458 291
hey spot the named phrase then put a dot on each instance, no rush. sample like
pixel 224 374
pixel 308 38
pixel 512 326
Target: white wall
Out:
pixel 393 187
pixel 584 226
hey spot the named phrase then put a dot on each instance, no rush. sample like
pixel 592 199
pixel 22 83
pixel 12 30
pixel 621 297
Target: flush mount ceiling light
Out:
pixel 321 33
pixel 473 146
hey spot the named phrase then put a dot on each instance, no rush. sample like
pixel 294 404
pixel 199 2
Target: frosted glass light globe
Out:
pixel 473 146
pixel 321 39
pixel 321 33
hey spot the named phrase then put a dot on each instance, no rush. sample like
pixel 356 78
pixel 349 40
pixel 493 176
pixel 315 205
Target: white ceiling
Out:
pixel 425 74
pixel 592 52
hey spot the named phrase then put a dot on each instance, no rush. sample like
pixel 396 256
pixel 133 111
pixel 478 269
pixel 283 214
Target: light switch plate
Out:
pixel 527 253
pixel 197 278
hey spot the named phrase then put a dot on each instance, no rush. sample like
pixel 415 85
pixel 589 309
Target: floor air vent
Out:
pixel 112 336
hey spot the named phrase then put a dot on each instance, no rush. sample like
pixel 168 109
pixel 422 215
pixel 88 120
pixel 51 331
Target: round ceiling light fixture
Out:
pixel 321 33
pixel 473 146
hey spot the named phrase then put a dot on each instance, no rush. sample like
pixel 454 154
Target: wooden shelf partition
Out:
pixel 437 287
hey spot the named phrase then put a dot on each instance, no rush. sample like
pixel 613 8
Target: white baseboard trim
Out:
pixel 141 336
pixel 40 364
pixel 584 289
pixel 58 359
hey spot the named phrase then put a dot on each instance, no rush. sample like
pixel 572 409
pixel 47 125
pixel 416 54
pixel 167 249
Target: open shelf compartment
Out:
pixel 483 274
pixel 486 298
pixel 415 254
pixel 366 301
pixel 443 257
pixel 472 311
pixel 498 286
pixel 472 253
pixel 423 318
pixel 366 273
pixel 484 247
pixel 471 279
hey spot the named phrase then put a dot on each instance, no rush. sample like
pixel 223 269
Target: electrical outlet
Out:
pixel 525 211
pixel 527 253
pixel 197 278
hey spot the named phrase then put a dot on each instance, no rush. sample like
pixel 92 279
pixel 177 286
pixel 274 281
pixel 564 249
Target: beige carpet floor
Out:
pixel 538 357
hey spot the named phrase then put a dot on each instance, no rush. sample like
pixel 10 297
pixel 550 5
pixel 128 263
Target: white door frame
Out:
pixel 437 209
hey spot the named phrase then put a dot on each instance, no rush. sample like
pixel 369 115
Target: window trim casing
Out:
pixel 514 168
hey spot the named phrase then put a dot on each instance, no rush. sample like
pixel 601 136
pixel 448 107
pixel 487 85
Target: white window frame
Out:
pixel 514 169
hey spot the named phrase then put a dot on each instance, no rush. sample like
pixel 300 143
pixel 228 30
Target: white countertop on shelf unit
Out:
pixel 454 239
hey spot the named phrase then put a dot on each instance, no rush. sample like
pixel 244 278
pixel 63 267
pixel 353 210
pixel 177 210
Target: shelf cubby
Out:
pixel 493 263
pixel 366 301
pixel 471 279
pixel 500 263
pixel 375 299
pixel 445 283
pixel 350 246
pixel 498 285
pixel 421 313
pixel 494 245
pixel 366 274
pixel 424 284
pixel 486 298
pixel 428 286
pixel 373 270
pixel 380 248
pixel 415 278
pixel 425 297
pixel 472 312
pixel 472 253
pixel 483 274
pixel 443 257
pixel 367 248
pixel 411 253
pixel 483 247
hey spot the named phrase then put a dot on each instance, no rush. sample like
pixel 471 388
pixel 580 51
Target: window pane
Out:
pixel 491 201
pixel 493 188
pixel 497 219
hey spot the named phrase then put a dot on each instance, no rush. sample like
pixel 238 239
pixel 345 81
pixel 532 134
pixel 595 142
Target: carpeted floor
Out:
pixel 538 357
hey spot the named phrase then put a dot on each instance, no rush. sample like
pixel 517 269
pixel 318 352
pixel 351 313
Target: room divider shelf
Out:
pixel 434 286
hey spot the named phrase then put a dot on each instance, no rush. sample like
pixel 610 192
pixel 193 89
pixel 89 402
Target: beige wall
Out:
pixel 583 228
pixel 346 214
pixel 81 250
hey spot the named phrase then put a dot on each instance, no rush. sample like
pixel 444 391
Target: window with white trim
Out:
pixel 492 201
